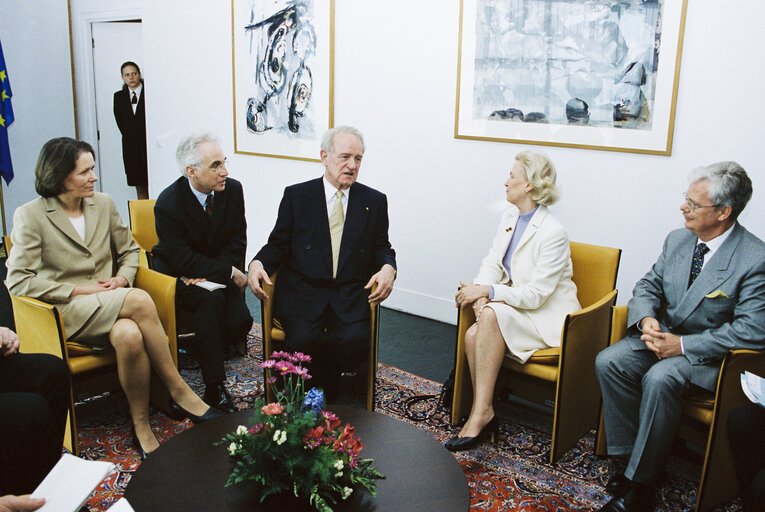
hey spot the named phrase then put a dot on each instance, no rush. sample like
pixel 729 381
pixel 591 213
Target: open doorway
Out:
pixel 113 44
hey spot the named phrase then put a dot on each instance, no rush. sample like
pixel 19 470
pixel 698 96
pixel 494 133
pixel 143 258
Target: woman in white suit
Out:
pixel 522 293
pixel 71 249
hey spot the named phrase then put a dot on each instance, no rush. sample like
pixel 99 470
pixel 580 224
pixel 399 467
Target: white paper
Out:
pixel 210 285
pixel 121 505
pixel 70 482
pixel 754 387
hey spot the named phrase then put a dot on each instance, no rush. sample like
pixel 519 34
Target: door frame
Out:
pixel 82 14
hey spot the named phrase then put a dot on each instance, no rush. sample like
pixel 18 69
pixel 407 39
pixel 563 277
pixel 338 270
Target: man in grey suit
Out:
pixel 703 297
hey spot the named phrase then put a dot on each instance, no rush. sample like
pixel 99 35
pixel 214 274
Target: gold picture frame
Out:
pixel 283 76
pixel 591 75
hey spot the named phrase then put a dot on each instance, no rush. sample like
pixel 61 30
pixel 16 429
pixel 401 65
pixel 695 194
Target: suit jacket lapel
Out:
pixel 531 229
pixel 715 271
pixel 58 218
pixel 189 203
pixel 316 205
pixel 355 219
pixel 91 219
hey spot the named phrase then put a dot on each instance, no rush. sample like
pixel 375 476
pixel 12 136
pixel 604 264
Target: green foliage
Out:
pixel 293 446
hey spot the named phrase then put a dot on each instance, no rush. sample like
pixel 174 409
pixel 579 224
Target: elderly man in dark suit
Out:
pixel 703 297
pixel 202 237
pixel 330 245
pixel 130 114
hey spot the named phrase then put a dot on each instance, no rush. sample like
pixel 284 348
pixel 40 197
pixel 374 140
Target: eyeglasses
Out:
pixel 693 206
pixel 217 166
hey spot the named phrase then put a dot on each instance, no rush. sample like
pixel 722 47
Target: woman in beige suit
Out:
pixel 522 293
pixel 71 249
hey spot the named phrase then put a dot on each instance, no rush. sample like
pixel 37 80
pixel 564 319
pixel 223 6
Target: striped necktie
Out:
pixel 336 222
pixel 209 204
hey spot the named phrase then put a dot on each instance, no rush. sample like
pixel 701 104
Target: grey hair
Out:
pixel 187 154
pixel 328 139
pixel 540 173
pixel 729 185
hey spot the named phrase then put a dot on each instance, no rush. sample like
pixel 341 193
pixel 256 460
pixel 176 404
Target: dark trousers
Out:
pixel 221 318
pixel 746 433
pixel 34 400
pixel 334 346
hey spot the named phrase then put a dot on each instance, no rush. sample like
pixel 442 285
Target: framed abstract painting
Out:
pixel 594 74
pixel 283 66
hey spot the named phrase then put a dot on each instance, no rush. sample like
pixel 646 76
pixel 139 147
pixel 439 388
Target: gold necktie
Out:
pixel 336 221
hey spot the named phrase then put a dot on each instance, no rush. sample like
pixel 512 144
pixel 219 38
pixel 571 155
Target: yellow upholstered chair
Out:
pixel 563 377
pixel 41 330
pixel 142 227
pixel 273 339
pixel 705 416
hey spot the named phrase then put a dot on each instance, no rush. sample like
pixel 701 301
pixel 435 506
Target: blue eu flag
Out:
pixel 6 118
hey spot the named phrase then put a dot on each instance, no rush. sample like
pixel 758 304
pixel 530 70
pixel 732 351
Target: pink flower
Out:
pixel 301 372
pixel 331 422
pixel 285 367
pixel 281 355
pixel 270 380
pixel 268 363
pixel 313 437
pixel 256 428
pixel 272 408
pixel 301 357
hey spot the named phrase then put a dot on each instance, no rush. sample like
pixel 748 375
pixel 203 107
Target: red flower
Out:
pixel 272 408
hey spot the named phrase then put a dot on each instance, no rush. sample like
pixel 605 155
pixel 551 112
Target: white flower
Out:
pixel 339 474
pixel 280 436
pixel 232 448
pixel 241 430
pixel 347 492
pixel 339 464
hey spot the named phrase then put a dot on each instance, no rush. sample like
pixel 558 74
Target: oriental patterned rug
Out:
pixel 510 475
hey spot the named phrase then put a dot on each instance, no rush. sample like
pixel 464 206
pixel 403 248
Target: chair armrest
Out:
pixel 618 324
pixel 39 327
pixel 161 289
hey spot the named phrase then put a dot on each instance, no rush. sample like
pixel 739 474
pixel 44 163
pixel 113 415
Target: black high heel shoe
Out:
pixel 456 444
pixel 138 446
pixel 178 413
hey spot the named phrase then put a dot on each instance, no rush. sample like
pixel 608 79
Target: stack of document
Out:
pixel 71 481
pixel 754 388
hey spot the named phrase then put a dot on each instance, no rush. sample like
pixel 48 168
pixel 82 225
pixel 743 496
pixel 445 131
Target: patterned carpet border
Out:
pixel 512 474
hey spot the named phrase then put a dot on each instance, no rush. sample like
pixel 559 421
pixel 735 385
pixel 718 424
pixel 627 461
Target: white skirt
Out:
pixel 519 332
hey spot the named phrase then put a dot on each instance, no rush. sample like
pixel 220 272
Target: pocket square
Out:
pixel 716 294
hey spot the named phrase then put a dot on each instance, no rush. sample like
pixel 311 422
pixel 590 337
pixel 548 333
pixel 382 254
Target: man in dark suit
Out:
pixel 202 237
pixel 703 297
pixel 330 245
pixel 130 114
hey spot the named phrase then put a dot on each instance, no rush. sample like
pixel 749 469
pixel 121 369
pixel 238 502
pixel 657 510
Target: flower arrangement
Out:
pixel 295 446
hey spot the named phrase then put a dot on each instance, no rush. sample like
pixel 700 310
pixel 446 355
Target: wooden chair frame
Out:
pixel 565 376
pixel 273 337
pixel 705 418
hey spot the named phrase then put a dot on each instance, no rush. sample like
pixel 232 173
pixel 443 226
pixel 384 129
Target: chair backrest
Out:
pixel 142 223
pixel 7 244
pixel 595 270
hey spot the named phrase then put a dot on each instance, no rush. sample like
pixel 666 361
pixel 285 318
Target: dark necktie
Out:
pixel 698 261
pixel 208 204
pixel 135 99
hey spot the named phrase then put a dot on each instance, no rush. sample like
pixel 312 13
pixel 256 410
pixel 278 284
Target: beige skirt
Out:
pixel 95 331
pixel 519 332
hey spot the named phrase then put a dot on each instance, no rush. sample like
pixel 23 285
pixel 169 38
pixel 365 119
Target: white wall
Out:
pixel 395 79
pixel 35 37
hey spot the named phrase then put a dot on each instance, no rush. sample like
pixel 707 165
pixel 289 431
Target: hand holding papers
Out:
pixel 70 482
pixel 207 285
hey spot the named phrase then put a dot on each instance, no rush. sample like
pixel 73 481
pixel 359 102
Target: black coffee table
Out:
pixel 188 473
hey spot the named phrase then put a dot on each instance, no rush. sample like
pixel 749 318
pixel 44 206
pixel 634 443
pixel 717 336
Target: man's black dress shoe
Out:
pixel 217 396
pixel 636 498
pixel 178 413
pixel 456 444
pixel 618 484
